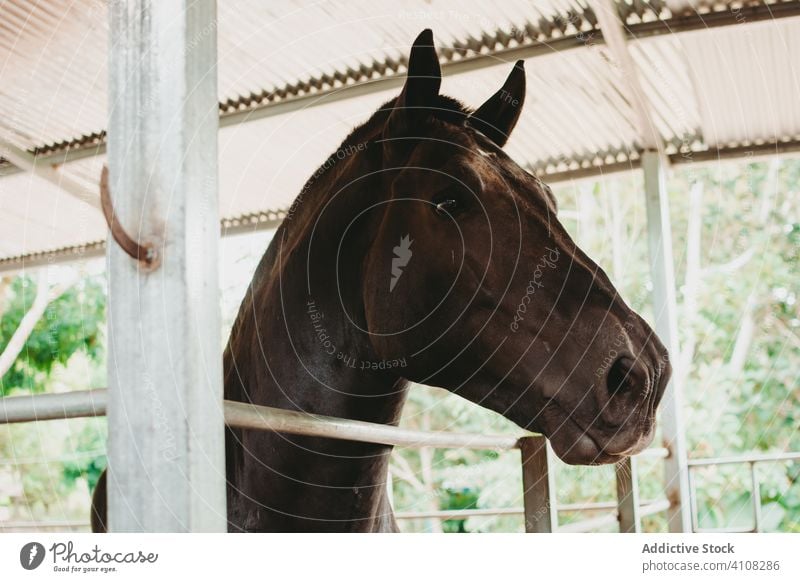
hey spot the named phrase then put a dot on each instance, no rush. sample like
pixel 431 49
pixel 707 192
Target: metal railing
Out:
pixel 755 486
pixel 44 526
pixel 540 508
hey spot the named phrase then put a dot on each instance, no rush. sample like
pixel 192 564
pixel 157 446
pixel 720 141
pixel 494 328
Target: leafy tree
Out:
pixel 72 322
pixel 86 458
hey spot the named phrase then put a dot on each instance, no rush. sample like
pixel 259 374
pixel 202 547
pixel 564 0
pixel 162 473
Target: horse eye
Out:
pixel 446 206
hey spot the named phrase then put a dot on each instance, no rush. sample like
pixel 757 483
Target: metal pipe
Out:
pixel 590 524
pixel 252 223
pixel 538 486
pixel 584 525
pixel 458 513
pixel 238 414
pixel 88 403
pixel 35 526
pixel 757 458
pixel 628 509
pixel 34 407
pixel 725 530
pixel 241 415
pixel 610 519
pixel 567 507
pixel 755 489
pixel 654 453
pixel 693 508
pixel 662 270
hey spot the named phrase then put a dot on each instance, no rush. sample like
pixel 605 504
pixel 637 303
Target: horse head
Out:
pixel 473 283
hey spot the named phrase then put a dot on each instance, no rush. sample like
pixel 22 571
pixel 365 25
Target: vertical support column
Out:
pixel 628 497
pixel 664 309
pixel 755 488
pixel 693 501
pixel 166 426
pixel 538 484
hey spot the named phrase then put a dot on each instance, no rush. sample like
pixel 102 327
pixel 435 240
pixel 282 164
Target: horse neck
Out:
pixel 298 351
pixel 316 314
pixel 298 308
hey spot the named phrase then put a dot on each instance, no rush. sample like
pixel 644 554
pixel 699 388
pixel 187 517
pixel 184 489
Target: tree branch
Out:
pixel 44 296
pixel 401 468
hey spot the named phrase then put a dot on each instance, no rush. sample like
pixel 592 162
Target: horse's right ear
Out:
pixel 420 91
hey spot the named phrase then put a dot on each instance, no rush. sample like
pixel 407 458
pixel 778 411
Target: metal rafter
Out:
pixel 616 40
pixel 28 162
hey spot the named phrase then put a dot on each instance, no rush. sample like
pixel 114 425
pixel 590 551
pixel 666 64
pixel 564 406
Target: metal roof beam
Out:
pixel 711 156
pixel 616 40
pixel 27 162
pixel 267 220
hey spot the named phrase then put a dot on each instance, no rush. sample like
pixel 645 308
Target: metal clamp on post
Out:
pixel 144 253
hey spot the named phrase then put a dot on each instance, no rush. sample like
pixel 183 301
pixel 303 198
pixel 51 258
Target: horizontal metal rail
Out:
pixel 753 458
pixel 654 453
pixel 539 491
pixel 594 523
pixel 755 485
pixel 725 530
pixel 648 508
pixel 33 407
pixel 562 508
pixel 41 526
pixel 459 513
pixel 88 403
pixel 241 415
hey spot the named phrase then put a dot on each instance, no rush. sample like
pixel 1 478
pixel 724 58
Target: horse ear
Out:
pixel 498 116
pixel 421 89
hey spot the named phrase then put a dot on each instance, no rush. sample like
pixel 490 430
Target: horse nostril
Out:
pixel 621 376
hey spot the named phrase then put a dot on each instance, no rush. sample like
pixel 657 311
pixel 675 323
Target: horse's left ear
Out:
pixel 420 91
pixel 498 116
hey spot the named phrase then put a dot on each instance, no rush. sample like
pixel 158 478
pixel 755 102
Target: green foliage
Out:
pixel 49 473
pixel 458 499
pixel 85 455
pixel 71 323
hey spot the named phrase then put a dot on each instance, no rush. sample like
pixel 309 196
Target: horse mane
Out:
pixel 447 110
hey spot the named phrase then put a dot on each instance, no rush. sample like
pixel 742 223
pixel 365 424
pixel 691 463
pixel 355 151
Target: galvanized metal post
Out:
pixel 693 510
pixel 665 312
pixel 755 488
pixel 628 497
pixel 166 431
pixel 538 484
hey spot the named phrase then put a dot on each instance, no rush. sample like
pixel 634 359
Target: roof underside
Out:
pixel 295 77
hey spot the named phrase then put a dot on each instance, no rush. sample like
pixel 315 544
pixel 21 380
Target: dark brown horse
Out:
pixel 420 252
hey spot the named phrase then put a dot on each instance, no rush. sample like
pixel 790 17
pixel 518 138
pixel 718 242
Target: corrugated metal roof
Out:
pixel 729 86
pixel 747 83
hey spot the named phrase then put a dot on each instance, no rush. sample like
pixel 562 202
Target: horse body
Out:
pixel 420 252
